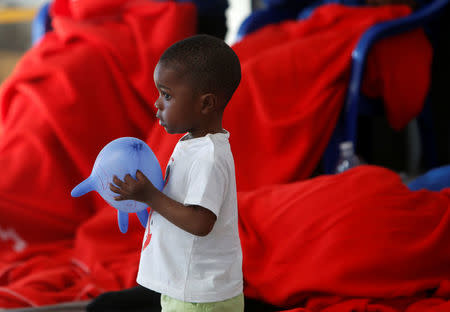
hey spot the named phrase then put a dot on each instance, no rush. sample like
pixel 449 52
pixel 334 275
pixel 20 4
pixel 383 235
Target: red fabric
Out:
pixel 91 82
pixel 330 235
pixel 403 95
pixel 87 9
pixel 84 9
pixel 60 8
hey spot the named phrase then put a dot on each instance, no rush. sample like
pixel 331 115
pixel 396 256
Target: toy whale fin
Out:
pixel 122 219
pixel 143 217
pixel 84 187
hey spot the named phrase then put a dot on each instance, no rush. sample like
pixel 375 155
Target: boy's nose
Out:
pixel 158 105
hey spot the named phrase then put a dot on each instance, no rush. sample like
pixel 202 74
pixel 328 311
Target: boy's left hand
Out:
pixel 131 189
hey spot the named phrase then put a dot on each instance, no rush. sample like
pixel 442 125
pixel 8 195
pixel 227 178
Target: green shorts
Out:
pixel 235 304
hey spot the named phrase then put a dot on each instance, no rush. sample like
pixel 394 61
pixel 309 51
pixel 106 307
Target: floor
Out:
pixel 76 306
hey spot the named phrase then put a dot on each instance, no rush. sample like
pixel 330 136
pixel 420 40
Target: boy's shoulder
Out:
pixel 212 147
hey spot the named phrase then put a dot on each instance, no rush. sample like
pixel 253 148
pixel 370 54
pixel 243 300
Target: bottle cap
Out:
pixel 347 145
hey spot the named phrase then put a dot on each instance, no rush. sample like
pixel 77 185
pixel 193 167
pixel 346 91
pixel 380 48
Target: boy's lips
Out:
pixel 161 123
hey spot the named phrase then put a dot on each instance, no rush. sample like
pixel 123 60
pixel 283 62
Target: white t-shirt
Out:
pixel 185 266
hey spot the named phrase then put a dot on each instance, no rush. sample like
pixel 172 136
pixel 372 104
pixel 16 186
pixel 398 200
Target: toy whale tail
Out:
pixel 84 187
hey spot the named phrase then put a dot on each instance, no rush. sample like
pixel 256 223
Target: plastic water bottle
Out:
pixel 347 157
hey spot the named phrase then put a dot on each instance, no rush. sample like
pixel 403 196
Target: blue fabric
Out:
pixel 284 2
pixel 41 23
pixel 305 13
pixel 270 15
pixel 434 180
pixel 261 18
pixel 281 10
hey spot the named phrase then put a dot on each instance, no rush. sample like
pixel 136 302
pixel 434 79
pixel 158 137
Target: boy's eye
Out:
pixel 166 96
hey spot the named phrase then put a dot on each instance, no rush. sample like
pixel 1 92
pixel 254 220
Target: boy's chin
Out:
pixel 172 131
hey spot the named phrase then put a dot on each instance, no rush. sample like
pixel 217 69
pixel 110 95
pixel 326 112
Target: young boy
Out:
pixel 191 252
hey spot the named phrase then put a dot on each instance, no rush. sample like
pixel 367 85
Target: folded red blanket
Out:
pixel 91 81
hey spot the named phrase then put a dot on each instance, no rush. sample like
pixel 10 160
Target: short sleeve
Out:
pixel 206 185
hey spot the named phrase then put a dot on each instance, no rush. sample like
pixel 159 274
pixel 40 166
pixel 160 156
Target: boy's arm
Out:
pixel 194 219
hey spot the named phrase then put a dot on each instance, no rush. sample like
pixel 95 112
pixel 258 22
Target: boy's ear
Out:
pixel 209 103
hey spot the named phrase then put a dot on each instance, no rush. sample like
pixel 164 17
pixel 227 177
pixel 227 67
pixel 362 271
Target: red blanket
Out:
pixel 330 243
pixel 91 82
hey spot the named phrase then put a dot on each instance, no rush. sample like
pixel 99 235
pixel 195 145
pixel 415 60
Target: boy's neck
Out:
pixel 191 135
pixel 210 125
pixel 198 133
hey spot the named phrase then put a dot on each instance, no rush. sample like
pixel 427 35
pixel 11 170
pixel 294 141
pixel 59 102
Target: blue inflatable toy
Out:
pixel 118 158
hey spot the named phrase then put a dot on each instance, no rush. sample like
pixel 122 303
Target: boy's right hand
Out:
pixel 140 189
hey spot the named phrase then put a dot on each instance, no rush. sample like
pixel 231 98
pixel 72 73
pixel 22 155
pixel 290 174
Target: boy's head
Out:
pixel 195 77
pixel 207 63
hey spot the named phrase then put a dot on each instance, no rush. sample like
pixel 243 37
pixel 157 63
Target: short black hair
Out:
pixel 209 63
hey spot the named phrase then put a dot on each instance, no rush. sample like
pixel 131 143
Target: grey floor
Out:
pixel 76 306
